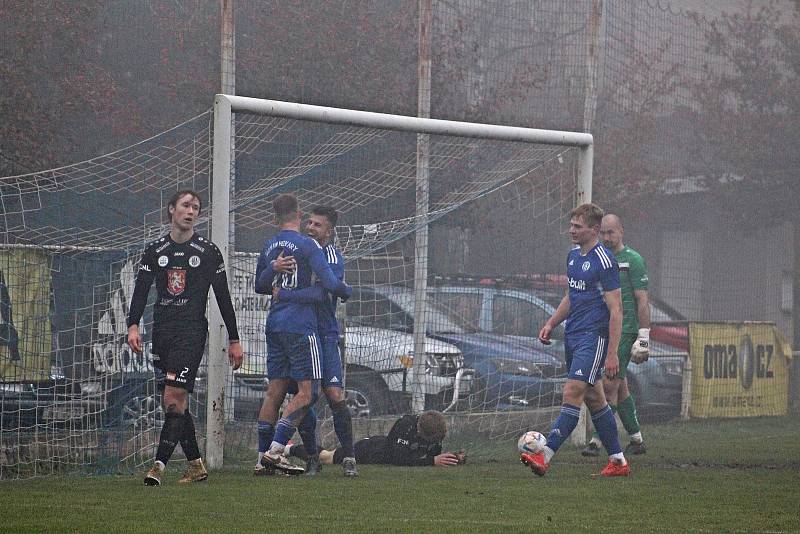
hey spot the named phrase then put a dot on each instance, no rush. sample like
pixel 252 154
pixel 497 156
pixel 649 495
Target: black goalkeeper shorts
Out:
pixel 178 355
pixel 368 451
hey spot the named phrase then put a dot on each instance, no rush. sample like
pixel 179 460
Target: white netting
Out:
pixel 102 202
pixel 494 207
pixel 77 400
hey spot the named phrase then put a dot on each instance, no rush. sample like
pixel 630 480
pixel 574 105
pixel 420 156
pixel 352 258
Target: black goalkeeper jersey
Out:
pixel 183 273
pixel 405 447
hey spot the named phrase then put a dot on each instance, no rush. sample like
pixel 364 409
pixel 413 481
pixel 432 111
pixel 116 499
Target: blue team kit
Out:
pixel 303 308
pixel 586 339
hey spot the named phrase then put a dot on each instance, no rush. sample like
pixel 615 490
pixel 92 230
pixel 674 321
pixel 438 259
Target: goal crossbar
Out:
pixel 385 121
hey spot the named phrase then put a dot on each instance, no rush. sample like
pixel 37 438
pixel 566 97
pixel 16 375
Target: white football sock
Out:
pixel 619 457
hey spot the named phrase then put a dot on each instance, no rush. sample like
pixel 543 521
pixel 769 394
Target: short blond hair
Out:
pixel 432 426
pixel 285 207
pixel 592 214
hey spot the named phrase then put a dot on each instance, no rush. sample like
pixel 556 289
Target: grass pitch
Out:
pixel 719 476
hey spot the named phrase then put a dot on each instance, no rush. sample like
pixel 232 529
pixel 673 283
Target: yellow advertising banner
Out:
pixel 738 370
pixel 25 341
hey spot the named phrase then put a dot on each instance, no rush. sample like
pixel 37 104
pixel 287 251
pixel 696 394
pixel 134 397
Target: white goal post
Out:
pixel 226 105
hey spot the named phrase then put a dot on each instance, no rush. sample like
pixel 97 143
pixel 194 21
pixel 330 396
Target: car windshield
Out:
pixel 523 312
pixel 442 319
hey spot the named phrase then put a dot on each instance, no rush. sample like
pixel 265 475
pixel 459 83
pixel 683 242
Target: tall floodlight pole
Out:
pixel 222 234
pixel 421 245
pixel 585 162
pixel 593 40
pixel 228 85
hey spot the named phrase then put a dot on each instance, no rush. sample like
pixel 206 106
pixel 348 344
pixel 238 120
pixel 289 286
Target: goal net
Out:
pixel 481 238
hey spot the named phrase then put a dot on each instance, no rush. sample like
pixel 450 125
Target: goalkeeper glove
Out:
pixel 641 347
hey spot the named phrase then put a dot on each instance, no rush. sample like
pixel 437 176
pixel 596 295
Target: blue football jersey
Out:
pixel 324 301
pixel 284 315
pixel 589 276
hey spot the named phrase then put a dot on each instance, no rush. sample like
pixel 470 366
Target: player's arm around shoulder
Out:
pixel 309 295
pixel 320 266
pixel 265 270
pixel 338 266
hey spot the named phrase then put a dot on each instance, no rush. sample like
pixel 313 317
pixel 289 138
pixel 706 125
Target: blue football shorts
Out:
pixel 294 356
pixel 586 355
pixel 331 362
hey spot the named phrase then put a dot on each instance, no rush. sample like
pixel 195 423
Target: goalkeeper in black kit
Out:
pixel 184 266
pixel 414 440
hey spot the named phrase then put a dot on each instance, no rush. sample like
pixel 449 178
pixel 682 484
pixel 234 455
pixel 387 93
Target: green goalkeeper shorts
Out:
pixel 626 342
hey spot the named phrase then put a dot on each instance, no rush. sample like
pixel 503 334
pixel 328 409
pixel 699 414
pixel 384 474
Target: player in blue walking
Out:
pixel 592 308
pixel 320 227
pixel 292 346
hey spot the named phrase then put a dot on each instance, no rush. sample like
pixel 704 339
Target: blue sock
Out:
pixel 308 432
pixel 265 433
pixel 343 425
pixel 284 430
pixel 606 427
pixel 563 426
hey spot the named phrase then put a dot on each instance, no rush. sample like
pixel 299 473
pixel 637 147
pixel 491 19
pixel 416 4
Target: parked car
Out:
pixel 378 369
pixel 509 371
pixel 111 402
pixel 668 326
pixel 655 384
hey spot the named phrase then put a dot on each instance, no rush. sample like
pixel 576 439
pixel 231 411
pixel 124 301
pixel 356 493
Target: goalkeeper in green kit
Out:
pixel 634 344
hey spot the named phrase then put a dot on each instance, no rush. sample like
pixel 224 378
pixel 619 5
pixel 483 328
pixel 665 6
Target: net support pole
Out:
pixel 582 196
pixel 228 85
pixel 584 188
pixel 220 221
pixel 585 164
pixel 422 196
pixel 686 388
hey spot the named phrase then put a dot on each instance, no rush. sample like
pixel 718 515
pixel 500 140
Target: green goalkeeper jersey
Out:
pixel 632 276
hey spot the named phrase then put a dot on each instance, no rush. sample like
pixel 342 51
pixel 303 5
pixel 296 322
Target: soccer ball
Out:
pixel 531 442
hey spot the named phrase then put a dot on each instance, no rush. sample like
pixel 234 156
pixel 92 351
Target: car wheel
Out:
pixel 366 394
